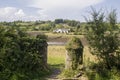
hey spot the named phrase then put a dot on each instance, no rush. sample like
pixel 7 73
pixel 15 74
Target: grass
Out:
pixel 62 34
pixel 56 59
pixel 56 55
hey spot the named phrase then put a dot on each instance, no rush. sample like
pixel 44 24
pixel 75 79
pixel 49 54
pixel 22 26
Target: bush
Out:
pixel 21 57
pixel 103 37
pixel 69 73
pixel 98 72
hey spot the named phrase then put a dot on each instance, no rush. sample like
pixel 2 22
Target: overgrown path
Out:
pixel 55 73
pixel 56 60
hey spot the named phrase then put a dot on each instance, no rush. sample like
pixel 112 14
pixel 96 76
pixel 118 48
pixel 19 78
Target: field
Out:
pixel 56 55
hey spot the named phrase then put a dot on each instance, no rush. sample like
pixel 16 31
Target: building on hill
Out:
pixel 61 31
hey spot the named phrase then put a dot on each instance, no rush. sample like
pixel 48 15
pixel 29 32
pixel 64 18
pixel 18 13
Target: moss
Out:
pixel 75 52
pixel 74 43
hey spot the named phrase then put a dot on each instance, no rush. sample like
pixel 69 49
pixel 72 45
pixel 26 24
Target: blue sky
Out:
pixel 31 10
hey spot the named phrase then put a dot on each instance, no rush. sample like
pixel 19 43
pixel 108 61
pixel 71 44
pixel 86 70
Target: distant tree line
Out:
pixel 44 25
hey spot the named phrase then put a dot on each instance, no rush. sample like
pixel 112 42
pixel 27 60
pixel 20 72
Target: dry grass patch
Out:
pixel 56 55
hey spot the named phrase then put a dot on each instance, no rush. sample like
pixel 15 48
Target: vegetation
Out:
pixel 59 55
pixel 75 53
pixel 56 59
pixel 103 37
pixel 42 25
pixel 20 56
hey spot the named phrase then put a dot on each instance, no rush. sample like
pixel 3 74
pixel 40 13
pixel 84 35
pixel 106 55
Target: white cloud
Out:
pixel 19 13
pixel 7 11
pixel 12 14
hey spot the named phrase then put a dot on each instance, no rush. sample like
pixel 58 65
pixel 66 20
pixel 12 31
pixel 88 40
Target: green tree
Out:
pixel 102 35
pixel 72 23
pixel 57 21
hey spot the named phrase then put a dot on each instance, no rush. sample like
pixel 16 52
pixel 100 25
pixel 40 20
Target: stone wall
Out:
pixel 74 53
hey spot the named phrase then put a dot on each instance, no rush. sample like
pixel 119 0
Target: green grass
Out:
pixel 56 55
pixel 56 58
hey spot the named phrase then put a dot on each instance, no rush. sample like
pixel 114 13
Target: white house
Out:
pixel 61 31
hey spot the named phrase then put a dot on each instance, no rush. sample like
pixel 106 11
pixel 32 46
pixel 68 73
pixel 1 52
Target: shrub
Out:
pixel 21 57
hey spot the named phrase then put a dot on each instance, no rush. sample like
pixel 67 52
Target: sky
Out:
pixel 32 10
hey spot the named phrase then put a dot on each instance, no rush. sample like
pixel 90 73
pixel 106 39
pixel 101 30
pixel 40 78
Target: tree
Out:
pixel 57 21
pixel 102 35
pixel 72 23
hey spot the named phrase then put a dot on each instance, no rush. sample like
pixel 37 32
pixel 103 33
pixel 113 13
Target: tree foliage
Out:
pixel 58 21
pixel 72 23
pixel 103 36
pixel 20 56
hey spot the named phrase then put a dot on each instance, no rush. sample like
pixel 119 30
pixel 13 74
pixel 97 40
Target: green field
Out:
pixel 56 55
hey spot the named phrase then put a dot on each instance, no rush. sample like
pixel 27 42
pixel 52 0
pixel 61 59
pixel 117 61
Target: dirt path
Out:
pixel 55 73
